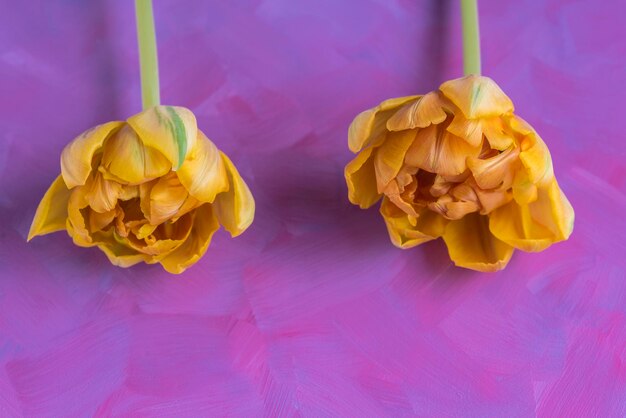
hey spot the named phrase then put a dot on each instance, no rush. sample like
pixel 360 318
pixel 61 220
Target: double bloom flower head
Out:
pixel 455 163
pixel 458 163
pixel 151 189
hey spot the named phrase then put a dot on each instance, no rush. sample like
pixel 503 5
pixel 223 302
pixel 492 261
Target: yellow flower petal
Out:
pixel 163 239
pixel 438 151
pixel 124 260
pixel 390 156
pixel 98 220
pixel 553 210
pixel 442 184
pixel 51 214
pixel 496 171
pixel 195 246
pixel 361 179
pixel 166 198
pixel 497 133
pixel 536 159
pixel 119 253
pixel 130 161
pixel 537 225
pixel 369 125
pixel 452 210
pixel 190 204
pixel 234 208
pixel 477 96
pixel 470 130
pixel 145 230
pixel 128 192
pixel 472 246
pixel 76 224
pixel 144 199
pixel 407 231
pixel 102 194
pixel 171 130
pixel 524 191
pixel 161 248
pixel 461 201
pixel 77 156
pixel 203 173
pixel 519 125
pixel 419 113
pixel 514 225
pixel 403 199
pixel 492 199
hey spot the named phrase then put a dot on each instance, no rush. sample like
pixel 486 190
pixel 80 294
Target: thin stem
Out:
pixel 471 37
pixel 147 54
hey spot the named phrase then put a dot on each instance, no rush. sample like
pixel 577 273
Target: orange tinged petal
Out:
pixel 514 225
pixel 130 161
pixel 438 151
pixel 123 257
pixel 162 240
pixel 119 252
pixel 442 184
pixel 190 204
pixel 536 159
pixel 171 130
pixel 477 96
pixel 203 173
pixel 144 199
pixel 519 125
pixel 419 113
pixel 524 191
pixel 166 198
pixel 361 179
pixel 497 133
pixel 497 171
pixel 537 225
pixel 553 210
pixel 102 194
pixel 454 209
pixel 234 208
pixel 389 156
pixel 98 221
pixel 76 224
pixel 407 231
pixel 492 199
pixel 128 192
pixel 145 230
pixel 368 127
pixel 51 215
pixel 470 130
pixel 196 244
pixel 405 203
pixel 472 246
pixel 77 156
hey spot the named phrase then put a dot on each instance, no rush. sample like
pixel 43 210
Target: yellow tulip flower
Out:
pixel 457 163
pixel 151 189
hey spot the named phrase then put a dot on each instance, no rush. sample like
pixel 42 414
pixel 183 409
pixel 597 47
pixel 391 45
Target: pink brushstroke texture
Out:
pixel 312 312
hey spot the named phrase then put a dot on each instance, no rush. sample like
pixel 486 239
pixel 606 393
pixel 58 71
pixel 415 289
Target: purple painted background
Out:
pixel 312 312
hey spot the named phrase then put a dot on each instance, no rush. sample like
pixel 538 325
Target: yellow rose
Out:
pixel 458 163
pixel 152 189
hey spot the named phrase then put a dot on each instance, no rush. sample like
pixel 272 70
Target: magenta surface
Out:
pixel 312 312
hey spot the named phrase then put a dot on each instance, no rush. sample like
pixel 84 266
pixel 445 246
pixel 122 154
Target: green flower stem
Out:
pixel 147 54
pixel 471 37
